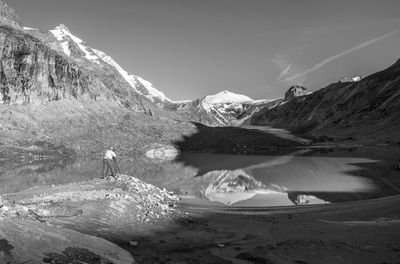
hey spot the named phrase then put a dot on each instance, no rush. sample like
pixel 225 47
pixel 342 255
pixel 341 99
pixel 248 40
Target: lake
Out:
pixel 302 177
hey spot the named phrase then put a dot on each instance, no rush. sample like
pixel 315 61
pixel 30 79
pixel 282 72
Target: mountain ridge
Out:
pixel 221 109
pixel 78 49
pixel 367 109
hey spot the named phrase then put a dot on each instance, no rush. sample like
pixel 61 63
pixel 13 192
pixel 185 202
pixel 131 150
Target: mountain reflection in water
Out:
pixel 299 178
pixel 295 179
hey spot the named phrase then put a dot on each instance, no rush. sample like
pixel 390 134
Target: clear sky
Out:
pixel 192 48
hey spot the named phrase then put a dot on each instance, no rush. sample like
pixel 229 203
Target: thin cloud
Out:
pixel 322 63
pixel 283 64
pixel 284 71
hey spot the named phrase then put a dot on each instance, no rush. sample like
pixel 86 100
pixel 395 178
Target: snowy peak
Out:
pixel 61 32
pixel 72 45
pixel 222 109
pixel 77 49
pixel 351 79
pixel 226 97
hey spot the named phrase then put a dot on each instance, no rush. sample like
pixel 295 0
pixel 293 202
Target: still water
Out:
pixel 299 178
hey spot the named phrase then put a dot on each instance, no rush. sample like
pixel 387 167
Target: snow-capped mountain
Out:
pixel 226 97
pixel 233 186
pixel 351 79
pixel 221 109
pixel 78 50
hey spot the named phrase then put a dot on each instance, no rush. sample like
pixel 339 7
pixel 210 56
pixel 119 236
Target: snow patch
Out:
pixel 65 47
pixel 225 97
pixel 29 28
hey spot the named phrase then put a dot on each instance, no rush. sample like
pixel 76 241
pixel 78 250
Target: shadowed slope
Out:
pixel 368 109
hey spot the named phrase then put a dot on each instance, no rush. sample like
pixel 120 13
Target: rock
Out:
pixel 33 73
pixel 161 153
pixel 296 91
pixel 164 207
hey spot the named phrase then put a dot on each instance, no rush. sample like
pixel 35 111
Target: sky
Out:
pixel 193 48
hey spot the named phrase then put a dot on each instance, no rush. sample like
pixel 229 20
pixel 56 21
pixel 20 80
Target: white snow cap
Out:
pixel 351 79
pixel 226 97
pixel 64 36
pixel 62 33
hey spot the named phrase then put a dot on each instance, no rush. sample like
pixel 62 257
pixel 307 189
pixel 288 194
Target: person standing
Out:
pixel 110 161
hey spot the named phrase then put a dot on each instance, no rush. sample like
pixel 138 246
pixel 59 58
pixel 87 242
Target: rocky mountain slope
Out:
pixel 367 109
pixel 97 62
pixel 296 91
pixel 48 96
pixel 8 16
pixel 222 109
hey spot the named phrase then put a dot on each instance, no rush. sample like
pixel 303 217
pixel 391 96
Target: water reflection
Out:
pixel 299 178
pixel 295 179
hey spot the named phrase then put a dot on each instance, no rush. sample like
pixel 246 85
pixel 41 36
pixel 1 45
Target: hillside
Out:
pixel 366 110
pixel 52 101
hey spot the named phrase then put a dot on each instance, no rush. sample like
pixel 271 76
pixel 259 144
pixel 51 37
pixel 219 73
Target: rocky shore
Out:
pixel 64 224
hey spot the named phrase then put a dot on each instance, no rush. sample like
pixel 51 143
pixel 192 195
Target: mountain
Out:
pixel 60 96
pixel 296 91
pixel 222 109
pixel 368 109
pixel 99 63
pixel 351 79
pixel 8 16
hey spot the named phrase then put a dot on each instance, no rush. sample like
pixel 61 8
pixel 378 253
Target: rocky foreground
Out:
pixel 62 224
